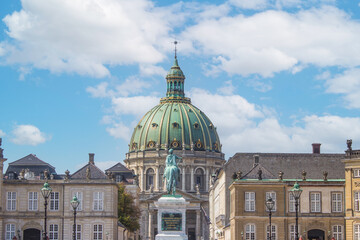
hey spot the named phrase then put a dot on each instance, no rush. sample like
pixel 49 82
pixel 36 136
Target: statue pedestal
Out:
pixel 171 218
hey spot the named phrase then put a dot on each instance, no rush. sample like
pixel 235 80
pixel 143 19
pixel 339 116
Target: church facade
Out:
pixel 175 124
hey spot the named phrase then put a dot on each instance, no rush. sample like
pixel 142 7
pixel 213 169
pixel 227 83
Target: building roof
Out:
pixel 95 172
pixel 30 159
pixel 119 167
pixel 254 173
pixel 175 122
pixel 291 164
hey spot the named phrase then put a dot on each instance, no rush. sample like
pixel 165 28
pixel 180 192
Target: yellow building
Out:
pixel 352 192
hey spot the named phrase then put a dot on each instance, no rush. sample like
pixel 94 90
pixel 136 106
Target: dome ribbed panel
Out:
pixel 174 120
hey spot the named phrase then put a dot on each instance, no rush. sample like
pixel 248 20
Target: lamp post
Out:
pixel 45 191
pixel 296 193
pixel 74 203
pixel 270 205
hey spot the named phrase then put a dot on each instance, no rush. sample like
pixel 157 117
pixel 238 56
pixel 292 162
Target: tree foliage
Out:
pixel 128 212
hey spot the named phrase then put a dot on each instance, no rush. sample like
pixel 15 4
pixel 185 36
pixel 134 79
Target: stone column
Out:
pixel 183 178
pixel 142 179
pixel 150 232
pixel 198 224
pixel 207 179
pixel 157 179
pixel 192 179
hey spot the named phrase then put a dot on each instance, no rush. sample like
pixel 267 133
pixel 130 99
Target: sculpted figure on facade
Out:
pixel 171 172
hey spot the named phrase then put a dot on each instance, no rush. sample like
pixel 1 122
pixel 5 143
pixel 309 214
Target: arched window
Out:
pixel 171 86
pixel 149 178
pixel 200 178
pixel 175 86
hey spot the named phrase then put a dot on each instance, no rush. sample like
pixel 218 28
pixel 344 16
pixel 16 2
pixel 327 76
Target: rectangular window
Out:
pixel 291 203
pixel 249 201
pixel 250 232
pixel 356 231
pixel 77 232
pixel 79 196
pixel 98 232
pixel 292 232
pixel 9 231
pixel 98 201
pixel 273 232
pixel 271 195
pixel 356 173
pixel 336 202
pixel 338 232
pixel 53 232
pixel 357 201
pixel 33 201
pixel 54 201
pixel 315 202
pixel 11 201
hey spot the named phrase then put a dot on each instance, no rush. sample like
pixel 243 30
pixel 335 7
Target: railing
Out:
pixel 352 154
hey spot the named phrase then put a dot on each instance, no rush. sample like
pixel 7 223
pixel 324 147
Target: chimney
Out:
pixel 316 148
pixel 91 158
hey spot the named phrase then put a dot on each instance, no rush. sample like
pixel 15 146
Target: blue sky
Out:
pixel 272 75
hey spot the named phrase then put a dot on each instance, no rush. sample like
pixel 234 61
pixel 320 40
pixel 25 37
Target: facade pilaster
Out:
pixel 192 178
pixel 142 179
pixel 198 224
pixel 183 178
pixel 207 179
pixel 150 228
pixel 157 179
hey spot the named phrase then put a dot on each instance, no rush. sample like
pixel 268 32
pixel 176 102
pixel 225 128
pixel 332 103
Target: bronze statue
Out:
pixel 171 172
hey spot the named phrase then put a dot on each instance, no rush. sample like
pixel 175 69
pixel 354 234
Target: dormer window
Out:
pixel 139 126
pixel 154 125
pixel 196 125
pixel 190 110
pixel 211 126
pixel 175 125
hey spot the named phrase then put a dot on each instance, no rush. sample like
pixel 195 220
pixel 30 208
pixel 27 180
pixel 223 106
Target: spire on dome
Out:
pixel 175 82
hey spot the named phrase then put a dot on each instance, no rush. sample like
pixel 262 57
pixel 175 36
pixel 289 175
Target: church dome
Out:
pixel 175 122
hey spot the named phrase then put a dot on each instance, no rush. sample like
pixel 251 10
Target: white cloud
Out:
pixel 250 4
pixel 273 41
pixel 120 130
pixel 2 134
pixel 28 135
pixel 227 89
pixel 348 85
pixel 86 35
pixel 137 105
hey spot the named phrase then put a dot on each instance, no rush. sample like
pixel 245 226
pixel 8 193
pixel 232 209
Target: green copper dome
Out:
pixel 175 122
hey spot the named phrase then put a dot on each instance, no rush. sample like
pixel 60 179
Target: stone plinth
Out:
pixel 171 218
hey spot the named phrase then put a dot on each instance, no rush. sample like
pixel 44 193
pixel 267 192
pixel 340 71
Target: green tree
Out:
pixel 128 212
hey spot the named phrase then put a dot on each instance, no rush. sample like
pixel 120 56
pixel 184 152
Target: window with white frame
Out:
pixel 98 232
pixel 11 201
pixel 273 232
pixel 249 201
pixel 54 201
pixel 292 231
pixel 291 203
pixel 33 201
pixel 271 195
pixel 98 201
pixel 356 173
pixel 9 231
pixel 78 232
pixel 338 232
pixel 357 201
pixel 356 231
pixel 250 232
pixel 79 196
pixel 315 202
pixel 53 232
pixel 336 202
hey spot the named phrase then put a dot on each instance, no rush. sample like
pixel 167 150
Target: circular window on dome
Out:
pixel 175 144
pixel 199 144
pixel 196 125
pixel 151 144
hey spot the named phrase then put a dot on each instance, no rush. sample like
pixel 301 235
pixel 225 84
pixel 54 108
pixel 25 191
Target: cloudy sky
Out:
pixel 272 75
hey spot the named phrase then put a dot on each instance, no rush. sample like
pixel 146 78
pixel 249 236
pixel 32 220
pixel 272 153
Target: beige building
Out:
pixel 352 192
pixel 248 179
pixel 22 204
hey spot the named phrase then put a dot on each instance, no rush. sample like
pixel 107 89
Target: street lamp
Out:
pixel 74 203
pixel 270 205
pixel 45 191
pixel 296 193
